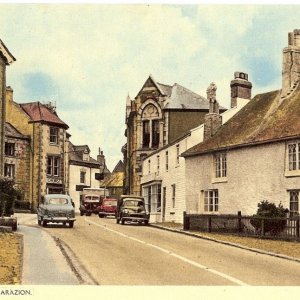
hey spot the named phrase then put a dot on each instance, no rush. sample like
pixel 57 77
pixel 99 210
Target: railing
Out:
pixel 275 228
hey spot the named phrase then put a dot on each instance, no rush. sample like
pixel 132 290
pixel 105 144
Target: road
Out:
pixel 130 254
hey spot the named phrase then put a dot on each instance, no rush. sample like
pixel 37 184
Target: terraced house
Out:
pixel 164 172
pixel 255 156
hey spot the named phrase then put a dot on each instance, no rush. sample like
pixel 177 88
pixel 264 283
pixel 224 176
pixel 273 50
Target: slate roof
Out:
pixel 11 131
pixel 119 167
pixel 179 97
pixel 39 112
pixel 266 118
pixel 115 179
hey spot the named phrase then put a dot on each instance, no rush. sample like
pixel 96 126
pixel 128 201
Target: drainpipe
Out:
pixel 40 153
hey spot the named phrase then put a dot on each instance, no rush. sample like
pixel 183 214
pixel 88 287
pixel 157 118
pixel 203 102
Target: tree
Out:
pixel 272 216
pixel 8 195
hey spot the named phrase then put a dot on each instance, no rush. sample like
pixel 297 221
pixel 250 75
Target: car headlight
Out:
pixel 126 211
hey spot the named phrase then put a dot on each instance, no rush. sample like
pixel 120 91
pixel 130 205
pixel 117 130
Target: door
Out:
pixel 163 210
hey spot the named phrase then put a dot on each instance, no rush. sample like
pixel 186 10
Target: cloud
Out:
pixel 88 57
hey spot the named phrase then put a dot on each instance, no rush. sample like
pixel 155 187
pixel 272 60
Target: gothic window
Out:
pixel 146 134
pixel 155 133
pixel 150 121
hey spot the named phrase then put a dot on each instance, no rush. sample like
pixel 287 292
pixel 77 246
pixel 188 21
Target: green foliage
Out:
pixel 272 216
pixel 8 194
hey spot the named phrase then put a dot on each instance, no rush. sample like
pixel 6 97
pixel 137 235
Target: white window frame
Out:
pixel 211 201
pixel 53 136
pixel 53 164
pixel 220 161
pixel 294 203
pixel 292 159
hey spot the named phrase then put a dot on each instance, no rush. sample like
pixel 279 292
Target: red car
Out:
pixel 108 207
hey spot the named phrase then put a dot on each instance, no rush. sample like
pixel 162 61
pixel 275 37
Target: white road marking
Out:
pixel 182 258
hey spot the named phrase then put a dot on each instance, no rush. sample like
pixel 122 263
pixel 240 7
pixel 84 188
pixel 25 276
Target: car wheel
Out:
pixel 39 222
pixel 118 221
pixel 44 223
pixel 122 221
pixel 71 224
pixel 14 226
pixel 101 216
pixel 81 213
pixel 64 223
pixel 146 222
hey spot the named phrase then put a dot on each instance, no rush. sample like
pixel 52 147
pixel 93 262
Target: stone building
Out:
pixel 157 116
pixel 84 171
pixel 164 172
pixel 255 156
pixel 6 58
pixel 48 163
pixel 17 159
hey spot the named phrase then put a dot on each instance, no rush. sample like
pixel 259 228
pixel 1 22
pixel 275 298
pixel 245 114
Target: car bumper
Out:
pixel 103 213
pixel 58 219
pixel 135 219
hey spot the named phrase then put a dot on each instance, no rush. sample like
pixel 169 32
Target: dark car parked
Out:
pixel 131 209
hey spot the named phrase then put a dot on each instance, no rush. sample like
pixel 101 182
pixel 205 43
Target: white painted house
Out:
pixel 164 171
pixel 255 156
pixel 84 171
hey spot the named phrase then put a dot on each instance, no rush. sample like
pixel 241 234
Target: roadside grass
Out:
pixel 10 258
pixel 288 248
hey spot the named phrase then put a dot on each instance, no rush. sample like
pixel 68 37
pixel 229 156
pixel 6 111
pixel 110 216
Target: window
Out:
pixel 294 203
pixel 152 195
pixel 149 166
pixel 173 195
pixel 82 176
pixel 9 170
pixel 53 168
pixel 157 159
pixel 220 165
pixel 10 149
pixel 155 133
pixel 53 135
pixel 211 200
pixel 167 161
pixel 294 156
pixel 177 155
pixel 146 134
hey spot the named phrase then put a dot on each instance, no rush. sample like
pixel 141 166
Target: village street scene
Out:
pixel 149 145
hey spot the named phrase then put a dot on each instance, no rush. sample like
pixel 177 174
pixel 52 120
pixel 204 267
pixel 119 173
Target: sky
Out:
pixel 87 58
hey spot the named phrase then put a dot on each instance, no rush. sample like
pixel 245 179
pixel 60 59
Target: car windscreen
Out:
pixel 110 202
pixel 92 198
pixel 58 201
pixel 132 203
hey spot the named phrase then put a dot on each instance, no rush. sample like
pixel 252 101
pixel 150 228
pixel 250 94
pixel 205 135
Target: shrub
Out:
pixel 8 195
pixel 273 216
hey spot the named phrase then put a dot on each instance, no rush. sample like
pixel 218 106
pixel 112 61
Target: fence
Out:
pixel 276 228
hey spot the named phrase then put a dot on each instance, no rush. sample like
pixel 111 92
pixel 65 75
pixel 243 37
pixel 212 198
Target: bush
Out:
pixel 272 215
pixel 22 205
pixel 8 195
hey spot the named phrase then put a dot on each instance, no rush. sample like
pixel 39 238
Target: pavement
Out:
pixel 46 260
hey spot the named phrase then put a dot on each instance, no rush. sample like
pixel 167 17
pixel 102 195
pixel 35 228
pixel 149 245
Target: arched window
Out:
pixel 150 120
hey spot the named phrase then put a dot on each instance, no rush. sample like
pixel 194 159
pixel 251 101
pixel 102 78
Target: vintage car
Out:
pixel 91 199
pixel 108 207
pixel 131 209
pixel 56 208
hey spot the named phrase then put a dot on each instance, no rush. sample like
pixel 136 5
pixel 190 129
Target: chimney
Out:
pixel 240 88
pixel 291 63
pixel 213 120
pixel 101 159
pixel 9 94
